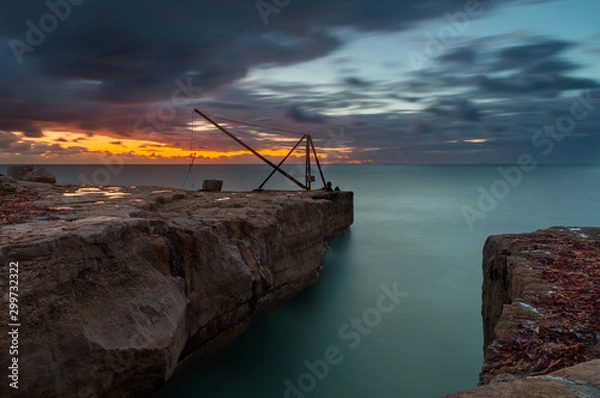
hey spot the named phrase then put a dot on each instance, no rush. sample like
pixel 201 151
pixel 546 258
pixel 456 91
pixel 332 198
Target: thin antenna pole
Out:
pixel 308 172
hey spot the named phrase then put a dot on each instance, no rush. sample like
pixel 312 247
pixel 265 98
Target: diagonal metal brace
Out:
pixel 248 147
pixel 282 161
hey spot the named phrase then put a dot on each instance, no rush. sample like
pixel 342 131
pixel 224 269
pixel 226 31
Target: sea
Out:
pixel 397 312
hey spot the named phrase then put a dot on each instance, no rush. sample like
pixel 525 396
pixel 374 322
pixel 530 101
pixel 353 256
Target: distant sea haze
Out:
pixel 419 231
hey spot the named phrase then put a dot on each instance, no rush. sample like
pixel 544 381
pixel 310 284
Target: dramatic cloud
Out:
pixel 464 56
pixel 455 108
pixel 420 128
pixel 7 139
pixel 296 113
pixel 515 56
pixel 527 83
pixel 116 72
pixel 109 61
pixel 356 82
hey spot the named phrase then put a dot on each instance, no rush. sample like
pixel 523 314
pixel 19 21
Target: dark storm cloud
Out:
pixel 540 67
pixel 532 52
pixel 492 126
pixel 504 97
pixel 550 66
pixel 420 128
pixel 455 108
pixel 21 123
pixel 533 84
pixel 21 147
pixel 298 114
pixel 109 62
pixel 537 68
pixel 404 98
pixel 464 55
pixel 356 82
pixel 7 139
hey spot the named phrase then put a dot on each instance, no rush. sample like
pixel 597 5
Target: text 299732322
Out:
pixel 13 324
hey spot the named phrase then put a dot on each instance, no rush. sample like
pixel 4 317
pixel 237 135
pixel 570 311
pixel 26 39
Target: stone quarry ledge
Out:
pixel 118 284
pixel 541 315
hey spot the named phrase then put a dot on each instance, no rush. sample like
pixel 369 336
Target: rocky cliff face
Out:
pixel 117 285
pixel 541 314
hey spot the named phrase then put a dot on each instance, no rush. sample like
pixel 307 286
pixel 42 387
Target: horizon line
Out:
pixel 328 164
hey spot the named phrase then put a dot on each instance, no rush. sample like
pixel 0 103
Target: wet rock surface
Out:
pixel 118 284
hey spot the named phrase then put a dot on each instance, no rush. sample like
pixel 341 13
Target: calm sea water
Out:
pixel 409 230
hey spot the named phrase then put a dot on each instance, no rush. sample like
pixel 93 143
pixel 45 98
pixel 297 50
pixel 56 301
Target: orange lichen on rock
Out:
pixel 550 315
pixel 18 207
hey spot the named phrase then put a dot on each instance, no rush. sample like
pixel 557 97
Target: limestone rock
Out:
pixel 541 314
pixel 18 172
pixel 7 185
pixel 536 318
pixel 114 294
pixel 26 173
pixel 40 175
pixel 578 381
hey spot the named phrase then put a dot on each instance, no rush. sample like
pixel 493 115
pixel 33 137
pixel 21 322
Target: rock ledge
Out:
pixel 541 314
pixel 118 284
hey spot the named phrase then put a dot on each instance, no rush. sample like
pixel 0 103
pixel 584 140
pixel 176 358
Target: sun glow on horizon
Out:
pixel 476 141
pixel 56 144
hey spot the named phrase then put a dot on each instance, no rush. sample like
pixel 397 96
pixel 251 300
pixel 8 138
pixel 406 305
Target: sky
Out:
pixel 427 81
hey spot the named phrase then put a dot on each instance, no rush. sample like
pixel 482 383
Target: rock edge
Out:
pixel 541 315
pixel 117 284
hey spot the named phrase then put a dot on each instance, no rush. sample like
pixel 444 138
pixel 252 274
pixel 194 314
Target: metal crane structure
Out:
pixel 310 152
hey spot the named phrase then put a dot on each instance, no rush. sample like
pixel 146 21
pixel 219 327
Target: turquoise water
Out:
pixel 410 231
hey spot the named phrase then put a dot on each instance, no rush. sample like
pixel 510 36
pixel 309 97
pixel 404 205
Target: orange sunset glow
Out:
pixel 66 147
